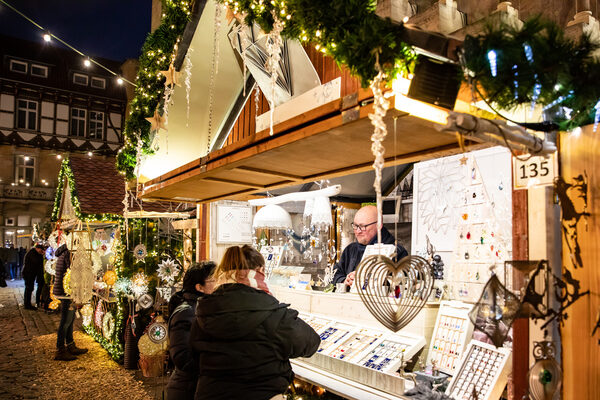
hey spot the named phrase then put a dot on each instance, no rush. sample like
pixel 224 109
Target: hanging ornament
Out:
pixel 140 252
pixel 188 82
pixel 273 45
pixel 394 293
pixel 171 76
pixel 122 287
pixel 139 284
pixel 108 326
pixel 165 292
pixel 86 313
pixel 82 277
pixel 145 301
pixel 96 262
pixel 213 72
pixel 110 277
pixel 168 270
pixel 379 110
pixel 157 121
pixel 493 60
pixel 545 376
pixel 99 314
pixel 157 330
pixel 50 266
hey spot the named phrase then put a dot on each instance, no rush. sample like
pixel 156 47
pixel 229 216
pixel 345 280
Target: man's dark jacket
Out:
pixel 33 268
pixel 182 383
pixel 244 339
pixel 353 253
pixel 63 263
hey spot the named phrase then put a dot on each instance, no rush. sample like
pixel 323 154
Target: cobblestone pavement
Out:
pixel 28 371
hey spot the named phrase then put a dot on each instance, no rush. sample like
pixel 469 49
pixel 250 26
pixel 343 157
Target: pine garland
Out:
pixel 565 71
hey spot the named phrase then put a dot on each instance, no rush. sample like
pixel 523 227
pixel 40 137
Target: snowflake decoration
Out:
pixel 139 284
pixel 122 287
pixel 168 270
pixel 140 252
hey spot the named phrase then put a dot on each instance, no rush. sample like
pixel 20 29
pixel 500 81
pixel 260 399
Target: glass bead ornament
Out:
pixel 145 301
pixel 495 311
pixel 168 270
pixel 139 284
pixel 140 252
pixel 545 375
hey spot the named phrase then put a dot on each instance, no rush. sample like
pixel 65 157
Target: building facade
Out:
pixel 53 104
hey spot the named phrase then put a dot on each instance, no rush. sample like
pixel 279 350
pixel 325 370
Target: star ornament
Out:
pixel 172 76
pixel 157 121
pixel 168 270
pixel 463 160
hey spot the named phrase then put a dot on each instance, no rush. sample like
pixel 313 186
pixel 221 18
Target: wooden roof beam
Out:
pixel 271 173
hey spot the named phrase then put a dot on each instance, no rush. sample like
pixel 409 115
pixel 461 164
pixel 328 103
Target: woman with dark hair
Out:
pixel 196 284
pixel 243 336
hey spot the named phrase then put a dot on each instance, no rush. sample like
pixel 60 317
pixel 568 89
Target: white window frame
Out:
pixel 42 67
pixel 21 169
pixel 27 111
pixel 87 79
pixel 96 79
pixel 13 62
pixel 98 125
pixel 78 119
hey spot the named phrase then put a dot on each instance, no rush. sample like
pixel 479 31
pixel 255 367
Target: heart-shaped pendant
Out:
pixel 394 292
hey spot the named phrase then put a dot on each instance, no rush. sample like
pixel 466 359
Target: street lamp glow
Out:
pixel 47 37
pixel 87 62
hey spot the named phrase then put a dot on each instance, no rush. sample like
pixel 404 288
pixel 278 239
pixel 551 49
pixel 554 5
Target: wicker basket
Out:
pixel 152 366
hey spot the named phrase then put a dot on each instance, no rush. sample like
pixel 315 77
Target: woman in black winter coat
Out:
pixel 182 307
pixel 243 336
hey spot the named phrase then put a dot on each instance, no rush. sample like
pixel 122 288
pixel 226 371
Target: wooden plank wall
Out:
pixel 581 351
pixel 327 70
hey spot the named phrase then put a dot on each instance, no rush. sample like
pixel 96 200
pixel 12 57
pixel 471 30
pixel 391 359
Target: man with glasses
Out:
pixel 365 230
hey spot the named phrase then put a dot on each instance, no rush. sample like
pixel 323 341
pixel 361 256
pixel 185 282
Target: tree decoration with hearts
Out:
pixel 394 293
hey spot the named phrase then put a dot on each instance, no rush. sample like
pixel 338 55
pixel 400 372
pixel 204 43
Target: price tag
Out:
pixel 536 171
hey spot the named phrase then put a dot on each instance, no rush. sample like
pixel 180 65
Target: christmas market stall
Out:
pixel 126 258
pixel 463 143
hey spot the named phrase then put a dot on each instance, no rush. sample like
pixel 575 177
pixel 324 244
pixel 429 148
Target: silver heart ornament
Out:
pixel 394 292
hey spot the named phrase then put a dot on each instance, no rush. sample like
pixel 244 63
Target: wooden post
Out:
pixel 520 251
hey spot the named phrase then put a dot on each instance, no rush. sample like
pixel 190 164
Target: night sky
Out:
pixel 114 29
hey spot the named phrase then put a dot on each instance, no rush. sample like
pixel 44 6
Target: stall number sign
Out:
pixel 535 171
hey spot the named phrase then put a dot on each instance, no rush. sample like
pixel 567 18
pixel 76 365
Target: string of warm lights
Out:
pixel 48 36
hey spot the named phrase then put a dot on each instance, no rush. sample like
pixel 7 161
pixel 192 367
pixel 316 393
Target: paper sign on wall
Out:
pixel 234 224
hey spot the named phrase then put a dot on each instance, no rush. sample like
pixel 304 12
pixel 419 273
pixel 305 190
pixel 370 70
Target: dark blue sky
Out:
pixel 114 29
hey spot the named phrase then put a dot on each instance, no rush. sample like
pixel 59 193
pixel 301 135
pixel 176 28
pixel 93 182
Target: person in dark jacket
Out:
pixel 66 350
pixel 243 336
pixel 196 283
pixel 365 230
pixel 33 270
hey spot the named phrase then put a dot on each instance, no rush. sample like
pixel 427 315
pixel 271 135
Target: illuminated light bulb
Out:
pixel 493 60
pixel 90 153
pixel 87 62
pixel 405 19
pixel 47 37
pixel 421 110
pixel 120 81
pixel 21 181
pixel 43 181
pixel 26 158
pixel 58 156
pixel 318 46
pixel 46 183
pixel 27 184
pixel 13 184
pixel 318 33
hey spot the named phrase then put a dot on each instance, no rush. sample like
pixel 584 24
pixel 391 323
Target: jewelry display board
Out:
pixel 234 223
pixel 452 331
pixel 273 256
pixel 482 374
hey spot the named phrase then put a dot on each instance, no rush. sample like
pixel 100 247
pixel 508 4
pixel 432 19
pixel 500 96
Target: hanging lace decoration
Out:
pixel 188 82
pixel 380 107
pixel 82 277
pixel 126 212
pixel 256 100
pixel 167 103
pixel 213 72
pixel 273 44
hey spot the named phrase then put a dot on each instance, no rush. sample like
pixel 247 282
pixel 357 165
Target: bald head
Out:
pixel 365 218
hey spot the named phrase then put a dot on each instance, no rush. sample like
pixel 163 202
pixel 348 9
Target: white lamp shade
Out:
pixel 308 208
pixel 321 213
pixel 272 216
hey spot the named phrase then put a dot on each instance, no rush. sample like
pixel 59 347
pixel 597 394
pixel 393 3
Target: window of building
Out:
pixel 80 79
pixel 18 66
pixel 78 122
pixel 39 70
pixel 98 83
pixel 24 170
pixel 96 124
pixel 27 114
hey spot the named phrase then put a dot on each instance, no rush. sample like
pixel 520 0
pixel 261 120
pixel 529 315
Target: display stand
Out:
pixel 453 329
pixel 483 370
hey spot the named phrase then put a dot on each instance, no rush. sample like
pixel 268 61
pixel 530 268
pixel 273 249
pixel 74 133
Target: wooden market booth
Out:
pixel 334 139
